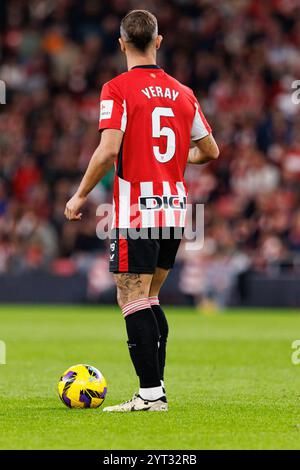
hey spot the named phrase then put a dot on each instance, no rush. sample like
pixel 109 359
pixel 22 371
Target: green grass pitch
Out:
pixel 230 381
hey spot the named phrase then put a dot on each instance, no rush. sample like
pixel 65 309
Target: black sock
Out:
pixel 143 337
pixel 164 331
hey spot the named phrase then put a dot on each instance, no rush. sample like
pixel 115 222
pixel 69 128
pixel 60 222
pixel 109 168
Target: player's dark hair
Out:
pixel 139 27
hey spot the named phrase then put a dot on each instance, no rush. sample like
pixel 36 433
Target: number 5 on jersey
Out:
pixel 158 131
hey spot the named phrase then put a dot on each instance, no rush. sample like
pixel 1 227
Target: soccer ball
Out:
pixel 82 386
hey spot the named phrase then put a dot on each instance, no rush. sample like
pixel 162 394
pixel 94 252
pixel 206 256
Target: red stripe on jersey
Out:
pixel 176 213
pixel 177 218
pixel 116 200
pixel 123 255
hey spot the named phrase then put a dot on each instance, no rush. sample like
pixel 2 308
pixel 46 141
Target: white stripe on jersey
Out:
pixel 148 216
pixel 181 193
pixel 124 117
pixel 169 213
pixel 124 203
pixel 198 128
pixel 113 221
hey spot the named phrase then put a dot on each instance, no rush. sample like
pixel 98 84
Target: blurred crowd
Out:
pixel 241 58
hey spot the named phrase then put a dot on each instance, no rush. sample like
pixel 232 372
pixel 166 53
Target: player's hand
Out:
pixel 73 207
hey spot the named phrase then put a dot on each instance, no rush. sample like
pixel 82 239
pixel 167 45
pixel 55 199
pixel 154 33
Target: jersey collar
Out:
pixel 151 66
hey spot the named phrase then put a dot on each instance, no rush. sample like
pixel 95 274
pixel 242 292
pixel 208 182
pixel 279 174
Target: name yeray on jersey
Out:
pixel 159 92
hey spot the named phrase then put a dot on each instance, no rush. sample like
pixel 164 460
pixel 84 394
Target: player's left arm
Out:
pixel 203 150
pixel 203 145
pixel 100 163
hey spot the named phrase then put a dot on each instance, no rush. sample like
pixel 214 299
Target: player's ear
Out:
pixel 122 45
pixel 158 41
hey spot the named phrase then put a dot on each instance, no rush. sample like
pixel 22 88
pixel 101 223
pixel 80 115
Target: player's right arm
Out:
pixel 203 150
pixel 100 163
pixel 112 124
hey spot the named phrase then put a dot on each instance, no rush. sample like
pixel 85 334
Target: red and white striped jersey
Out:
pixel 159 116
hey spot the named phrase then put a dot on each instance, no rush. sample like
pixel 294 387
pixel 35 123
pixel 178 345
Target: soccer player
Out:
pixel 147 122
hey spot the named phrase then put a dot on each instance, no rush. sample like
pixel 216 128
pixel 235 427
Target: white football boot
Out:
pixel 137 403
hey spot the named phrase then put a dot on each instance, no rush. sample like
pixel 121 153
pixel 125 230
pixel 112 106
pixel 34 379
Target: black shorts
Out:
pixel 141 251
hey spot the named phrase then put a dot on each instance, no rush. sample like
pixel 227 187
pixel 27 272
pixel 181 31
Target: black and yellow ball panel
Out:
pixel 82 386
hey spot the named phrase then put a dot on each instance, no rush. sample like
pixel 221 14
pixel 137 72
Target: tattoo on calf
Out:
pixel 129 284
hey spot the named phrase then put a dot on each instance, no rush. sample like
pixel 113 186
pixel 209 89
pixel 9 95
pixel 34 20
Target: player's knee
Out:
pixel 125 296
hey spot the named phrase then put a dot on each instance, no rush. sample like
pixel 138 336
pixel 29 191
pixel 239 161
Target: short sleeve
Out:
pixel 112 108
pixel 200 127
